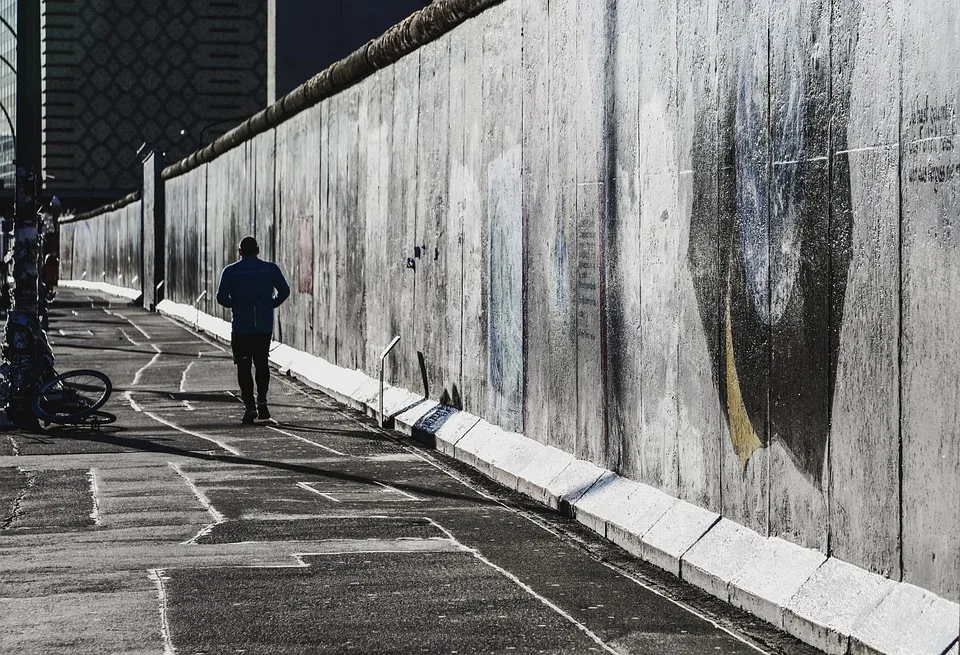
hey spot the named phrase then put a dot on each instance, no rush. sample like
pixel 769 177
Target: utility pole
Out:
pixel 25 351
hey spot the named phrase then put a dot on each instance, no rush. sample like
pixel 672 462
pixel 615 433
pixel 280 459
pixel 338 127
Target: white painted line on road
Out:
pixel 94 495
pixel 312 443
pixel 218 518
pixel 125 336
pixel 395 490
pixel 133 403
pixel 158 576
pixel 306 485
pixel 183 378
pixel 139 373
pixel 199 435
pixel 136 327
pixel 517 581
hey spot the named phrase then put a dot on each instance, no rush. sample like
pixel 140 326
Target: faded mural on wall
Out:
pixel 783 255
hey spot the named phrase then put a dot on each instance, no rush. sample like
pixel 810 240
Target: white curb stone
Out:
pixel 511 463
pixel 572 482
pixel 534 480
pixel 283 356
pixel 406 421
pixel 639 512
pixel 826 608
pixel 766 586
pixel 123 292
pixel 725 550
pixel 678 529
pixel 396 401
pixel 478 446
pixel 603 502
pixel 908 621
pixel 453 429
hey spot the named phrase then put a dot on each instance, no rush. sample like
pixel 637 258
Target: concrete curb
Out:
pixel 828 603
pixel 123 292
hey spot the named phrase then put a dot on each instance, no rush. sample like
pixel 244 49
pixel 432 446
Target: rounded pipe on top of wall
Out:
pixel 417 30
pixel 128 199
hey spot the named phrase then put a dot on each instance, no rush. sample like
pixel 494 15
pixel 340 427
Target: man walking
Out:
pixel 252 289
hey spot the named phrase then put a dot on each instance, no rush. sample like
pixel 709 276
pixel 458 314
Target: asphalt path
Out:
pixel 179 530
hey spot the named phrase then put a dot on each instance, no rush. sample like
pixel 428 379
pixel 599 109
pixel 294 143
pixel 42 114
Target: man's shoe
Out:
pixel 249 416
pixel 263 412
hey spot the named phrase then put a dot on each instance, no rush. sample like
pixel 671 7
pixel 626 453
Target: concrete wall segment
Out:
pixel 765 230
pixel 930 360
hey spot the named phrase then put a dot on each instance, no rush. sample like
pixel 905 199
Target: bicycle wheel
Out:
pixel 72 395
pixel 94 420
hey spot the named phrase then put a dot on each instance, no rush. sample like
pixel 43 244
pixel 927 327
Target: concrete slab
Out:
pixel 453 428
pixel 405 421
pixel 480 446
pixel 397 400
pixel 534 480
pixel 113 290
pixel 638 513
pixel 835 598
pixel 511 463
pixel 680 527
pixel 603 502
pixel 572 482
pixel 765 587
pixel 719 556
pixel 282 355
pixel 214 326
pixel 909 620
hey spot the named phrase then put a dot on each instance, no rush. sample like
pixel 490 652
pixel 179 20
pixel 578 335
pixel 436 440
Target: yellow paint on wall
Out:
pixel 744 437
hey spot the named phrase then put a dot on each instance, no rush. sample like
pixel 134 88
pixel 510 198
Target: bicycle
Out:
pixel 75 398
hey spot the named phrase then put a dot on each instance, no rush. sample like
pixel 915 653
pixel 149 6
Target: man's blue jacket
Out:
pixel 247 287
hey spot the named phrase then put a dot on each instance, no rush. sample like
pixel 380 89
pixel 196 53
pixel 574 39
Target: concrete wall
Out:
pixel 106 247
pixel 645 231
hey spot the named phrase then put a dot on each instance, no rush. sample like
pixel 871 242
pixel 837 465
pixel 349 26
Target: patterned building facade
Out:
pixel 173 74
pixel 8 90
pixel 120 73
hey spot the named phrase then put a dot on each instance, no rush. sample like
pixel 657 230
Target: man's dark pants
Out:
pixel 252 348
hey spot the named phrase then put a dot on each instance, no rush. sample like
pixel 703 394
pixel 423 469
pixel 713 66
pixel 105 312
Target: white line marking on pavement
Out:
pixel 139 373
pixel 395 490
pixel 199 435
pixel 136 327
pixel 517 581
pixel 312 443
pixel 158 576
pixel 183 378
pixel 125 336
pixel 306 485
pixel 218 518
pixel 134 405
pixel 94 494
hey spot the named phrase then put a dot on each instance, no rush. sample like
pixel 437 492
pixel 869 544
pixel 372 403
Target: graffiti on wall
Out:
pixel 777 286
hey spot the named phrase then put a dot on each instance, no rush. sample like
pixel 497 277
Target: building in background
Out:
pixel 172 74
pixel 8 90
pixel 121 73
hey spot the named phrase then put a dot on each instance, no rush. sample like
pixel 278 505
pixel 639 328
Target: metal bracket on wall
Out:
pixel 383 357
